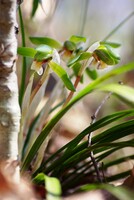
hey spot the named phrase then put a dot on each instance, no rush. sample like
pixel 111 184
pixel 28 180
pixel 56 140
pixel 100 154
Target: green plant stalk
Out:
pixel 118 26
pixel 58 116
pixel 24 64
pixel 84 12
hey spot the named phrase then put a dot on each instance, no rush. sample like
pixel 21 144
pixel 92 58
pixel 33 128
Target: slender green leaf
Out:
pixel 80 57
pixel 24 63
pixel 34 8
pixel 26 51
pixel 118 176
pixel 118 161
pixel 62 74
pixel 119 192
pixel 124 92
pixel 45 40
pixel 111 44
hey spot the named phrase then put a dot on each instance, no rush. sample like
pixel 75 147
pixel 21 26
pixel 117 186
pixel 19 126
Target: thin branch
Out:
pixel 84 12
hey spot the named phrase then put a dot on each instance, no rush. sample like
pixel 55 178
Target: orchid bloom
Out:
pixel 37 65
pixel 94 60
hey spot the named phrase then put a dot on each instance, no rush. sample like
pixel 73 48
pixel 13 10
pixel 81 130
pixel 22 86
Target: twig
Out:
pixel 93 120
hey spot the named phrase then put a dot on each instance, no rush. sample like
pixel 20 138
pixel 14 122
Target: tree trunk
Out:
pixel 9 106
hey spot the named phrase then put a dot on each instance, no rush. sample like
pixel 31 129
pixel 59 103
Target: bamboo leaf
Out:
pixel 47 41
pixel 26 51
pixel 62 74
pixel 77 39
pixel 34 8
pixel 111 44
pixel 80 57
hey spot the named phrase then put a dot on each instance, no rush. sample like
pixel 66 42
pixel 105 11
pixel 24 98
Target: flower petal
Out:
pixel 56 57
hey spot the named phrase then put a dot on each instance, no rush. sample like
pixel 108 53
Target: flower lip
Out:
pixel 37 66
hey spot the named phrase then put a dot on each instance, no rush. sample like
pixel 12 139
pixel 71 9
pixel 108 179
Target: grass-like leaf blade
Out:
pixel 125 93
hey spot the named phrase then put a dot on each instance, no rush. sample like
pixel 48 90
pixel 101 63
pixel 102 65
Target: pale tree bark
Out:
pixel 9 106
